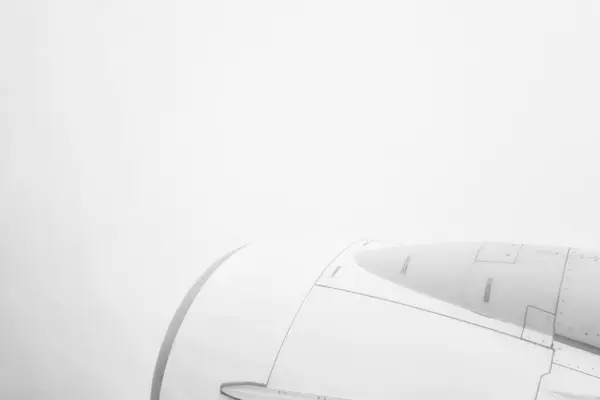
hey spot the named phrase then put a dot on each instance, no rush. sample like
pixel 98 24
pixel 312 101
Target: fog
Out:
pixel 141 140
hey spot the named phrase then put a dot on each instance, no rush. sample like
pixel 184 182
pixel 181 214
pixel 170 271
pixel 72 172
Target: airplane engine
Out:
pixel 375 320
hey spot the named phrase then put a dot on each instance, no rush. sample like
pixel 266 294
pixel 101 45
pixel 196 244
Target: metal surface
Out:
pixel 167 345
pixel 564 383
pixel 235 327
pixel 300 309
pixel 498 253
pixel 257 391
pixel 380 320
pixel 539 326
pixel 353 346
pixel 577 359
pixel 424 262
pixel 579 307
pixel 532 281
pixel 450 274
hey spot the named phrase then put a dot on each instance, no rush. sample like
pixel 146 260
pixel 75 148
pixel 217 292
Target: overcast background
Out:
pixel 141 140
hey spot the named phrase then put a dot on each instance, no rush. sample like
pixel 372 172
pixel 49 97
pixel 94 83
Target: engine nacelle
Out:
pixel 373 320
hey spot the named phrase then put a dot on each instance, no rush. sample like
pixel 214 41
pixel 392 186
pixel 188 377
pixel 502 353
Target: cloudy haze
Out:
pixel 139 141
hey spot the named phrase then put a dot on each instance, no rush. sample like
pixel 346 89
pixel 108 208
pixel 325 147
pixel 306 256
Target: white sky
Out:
pixel 141 140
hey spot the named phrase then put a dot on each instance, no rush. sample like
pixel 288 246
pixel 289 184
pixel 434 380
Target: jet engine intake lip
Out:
pixel 186 303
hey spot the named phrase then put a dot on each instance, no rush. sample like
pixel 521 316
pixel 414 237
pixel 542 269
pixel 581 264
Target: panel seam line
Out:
pixel 300 308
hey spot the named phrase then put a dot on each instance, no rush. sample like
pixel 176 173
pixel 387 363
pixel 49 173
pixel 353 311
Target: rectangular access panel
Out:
pixel 498 253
